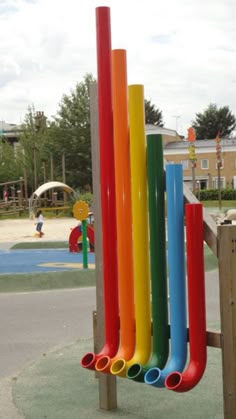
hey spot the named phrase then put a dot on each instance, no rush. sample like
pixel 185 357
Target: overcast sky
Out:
pixel 182 51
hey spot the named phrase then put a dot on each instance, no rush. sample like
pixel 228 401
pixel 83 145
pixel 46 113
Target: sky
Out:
pixel 182 51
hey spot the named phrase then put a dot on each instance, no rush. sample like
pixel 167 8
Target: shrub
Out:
pixel 213 194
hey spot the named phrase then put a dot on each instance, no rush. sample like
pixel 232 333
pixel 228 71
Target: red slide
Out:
pixel 76 234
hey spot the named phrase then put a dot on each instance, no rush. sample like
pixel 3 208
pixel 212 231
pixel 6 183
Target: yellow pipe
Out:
pixel 140 231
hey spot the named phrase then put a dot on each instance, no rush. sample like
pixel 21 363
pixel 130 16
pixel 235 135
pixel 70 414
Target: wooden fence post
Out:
pixel 227 278
pixel 107 382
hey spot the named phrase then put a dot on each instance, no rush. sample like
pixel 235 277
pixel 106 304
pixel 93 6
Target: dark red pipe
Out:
pixel 107 182
pixel 196 304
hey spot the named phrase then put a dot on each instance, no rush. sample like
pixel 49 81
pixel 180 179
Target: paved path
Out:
pixel 33 323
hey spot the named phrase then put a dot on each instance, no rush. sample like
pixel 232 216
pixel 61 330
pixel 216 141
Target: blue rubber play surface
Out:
pixel 41 260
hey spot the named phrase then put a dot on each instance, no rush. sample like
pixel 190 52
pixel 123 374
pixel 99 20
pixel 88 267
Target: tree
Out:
pixel 67 136
pixel 72 134
pixel 33 146
pixel 152 114
pixel 9 163
pixel 213 120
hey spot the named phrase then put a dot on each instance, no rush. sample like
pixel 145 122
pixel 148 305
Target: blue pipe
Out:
pixel 177 288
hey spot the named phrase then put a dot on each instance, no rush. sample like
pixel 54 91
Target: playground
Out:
pixel 23 230
pixel 54 385
pixel 24 258
pixel 42 260
pixel 167 348
pixel 39 391
pixel 81 390
pixel 153 339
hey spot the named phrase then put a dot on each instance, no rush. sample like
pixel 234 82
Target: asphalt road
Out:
pixel 32 323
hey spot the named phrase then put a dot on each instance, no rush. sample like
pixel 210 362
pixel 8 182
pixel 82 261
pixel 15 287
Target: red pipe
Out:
pixel 107 182
pixel 196 304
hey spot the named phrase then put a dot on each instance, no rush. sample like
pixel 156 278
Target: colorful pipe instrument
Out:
pixel 196 304
pixel 107 181
pixel 160 329
pixel 124 219
pixel 176 265
pixel 133 188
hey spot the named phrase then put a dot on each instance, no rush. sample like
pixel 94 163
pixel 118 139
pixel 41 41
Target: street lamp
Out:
pixel 176 121
pixel 198 190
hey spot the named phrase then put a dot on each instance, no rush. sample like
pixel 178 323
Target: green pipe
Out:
pixel 156 189
pixel 84 244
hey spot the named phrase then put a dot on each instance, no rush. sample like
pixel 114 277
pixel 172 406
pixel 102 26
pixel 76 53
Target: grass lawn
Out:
pixel 225 205
pixel 47 281
pixel 41 245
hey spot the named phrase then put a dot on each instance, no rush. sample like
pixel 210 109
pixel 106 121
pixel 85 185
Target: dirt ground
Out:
pixel 23 230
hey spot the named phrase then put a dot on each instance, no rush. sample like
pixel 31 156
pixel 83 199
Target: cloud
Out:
pixel 7 7
pixel 161 38
pixel 183 52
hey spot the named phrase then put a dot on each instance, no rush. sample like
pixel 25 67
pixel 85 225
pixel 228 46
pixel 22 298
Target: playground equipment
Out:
pixel 76 236
pixel 80 211
pixel 176 265
pixel 33 201
pixel 123 205
pixel 145 363
pixel 108 199
pixel 13 197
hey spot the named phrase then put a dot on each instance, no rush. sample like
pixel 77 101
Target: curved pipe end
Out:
pixel 88 361
pixel 154 378
pixel 119 367
pixel 173 381
pixel 103 364
pixel 186 381
pixel 136 372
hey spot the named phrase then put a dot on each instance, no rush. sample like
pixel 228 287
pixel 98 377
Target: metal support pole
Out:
pixel 64 175
pixel 35 169
pixel 84 244
pixel 193 177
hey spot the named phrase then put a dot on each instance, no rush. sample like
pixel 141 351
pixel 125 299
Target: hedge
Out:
pixel 213 194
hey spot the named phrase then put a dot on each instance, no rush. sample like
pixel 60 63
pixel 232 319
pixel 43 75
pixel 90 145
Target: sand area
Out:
pixel 23 230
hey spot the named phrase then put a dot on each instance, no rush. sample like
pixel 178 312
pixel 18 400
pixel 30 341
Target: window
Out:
pixel 184 164
pixel 204 164
pixel 215 182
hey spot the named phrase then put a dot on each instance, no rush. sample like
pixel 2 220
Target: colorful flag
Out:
pixel 191 134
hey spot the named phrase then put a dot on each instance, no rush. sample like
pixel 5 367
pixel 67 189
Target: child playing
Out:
pixel 39 224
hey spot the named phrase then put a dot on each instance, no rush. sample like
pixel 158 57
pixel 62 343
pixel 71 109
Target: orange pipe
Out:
pixel 123 214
